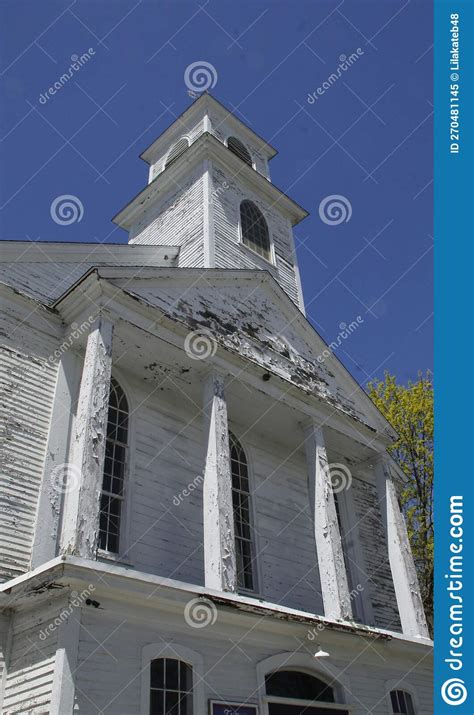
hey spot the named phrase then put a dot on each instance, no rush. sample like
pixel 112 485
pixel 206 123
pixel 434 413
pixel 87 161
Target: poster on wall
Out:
pixel 225 708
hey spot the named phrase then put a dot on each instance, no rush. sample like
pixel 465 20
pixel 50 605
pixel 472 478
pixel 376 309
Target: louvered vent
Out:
pixel 236 146
pixel 178 149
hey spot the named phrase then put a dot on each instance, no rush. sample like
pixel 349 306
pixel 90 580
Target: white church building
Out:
pixel 198 514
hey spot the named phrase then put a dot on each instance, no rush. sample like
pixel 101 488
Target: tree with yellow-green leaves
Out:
pixel 409 409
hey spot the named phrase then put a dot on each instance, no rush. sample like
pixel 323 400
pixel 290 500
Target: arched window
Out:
pixel 116 447
pixel 254 229
pixel 171 687
pixel 298 685
pixel 239 149
pixel 244 546
pixel 402 702
pixel 176 151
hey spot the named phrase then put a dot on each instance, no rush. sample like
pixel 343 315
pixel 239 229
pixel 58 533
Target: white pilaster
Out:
pixel 63 690
pixel 219 542
pixel 88 448
pixel 208 208
pixel 332 570
pixel 50 500
pixel 405 580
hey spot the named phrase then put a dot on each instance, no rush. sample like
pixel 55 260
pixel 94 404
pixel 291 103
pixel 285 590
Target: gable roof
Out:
pixel 188 118
pixel 46 270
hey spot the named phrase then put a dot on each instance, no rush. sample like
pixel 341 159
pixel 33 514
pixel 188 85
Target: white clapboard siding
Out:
pixel 111 676
pixel 230 253
pixel 191 254
pixel 374 543
pixel 176 219
pixel 27 394
pixel 30 671
pixel 284 533
pixel 166 531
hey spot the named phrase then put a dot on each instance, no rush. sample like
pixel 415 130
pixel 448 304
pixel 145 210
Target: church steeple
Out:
pixel 210 193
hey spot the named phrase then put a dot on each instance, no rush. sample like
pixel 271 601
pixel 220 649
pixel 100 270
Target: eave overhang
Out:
pixel 207 147
pixel 143 589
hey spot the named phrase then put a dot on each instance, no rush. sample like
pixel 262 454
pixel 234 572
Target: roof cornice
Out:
pixel 207 147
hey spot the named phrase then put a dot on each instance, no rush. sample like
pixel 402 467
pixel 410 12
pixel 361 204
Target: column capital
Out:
pixel 310 426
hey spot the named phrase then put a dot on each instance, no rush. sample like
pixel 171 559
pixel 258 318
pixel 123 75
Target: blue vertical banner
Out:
pixel 454 350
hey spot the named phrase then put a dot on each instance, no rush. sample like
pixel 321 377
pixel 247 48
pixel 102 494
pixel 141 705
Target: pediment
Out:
pixel 248 313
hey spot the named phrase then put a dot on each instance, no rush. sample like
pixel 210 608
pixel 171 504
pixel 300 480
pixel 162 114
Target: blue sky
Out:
pixel 368 138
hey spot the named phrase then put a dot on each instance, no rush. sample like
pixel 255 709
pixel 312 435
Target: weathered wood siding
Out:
pixel 228 193
pixel 27 384
pixel 29 681
pixel 284 539
pixel 176 220
pixel 165 532
pixel 374 543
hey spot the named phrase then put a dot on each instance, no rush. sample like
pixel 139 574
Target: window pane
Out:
pixel 157 674
pixel 114 469
pixel 254 229
pixel 186 677
pixel 242 515
pixel 301 686
pixel 171 676
pixel 402 703
pixel 157 702
pixel 172 702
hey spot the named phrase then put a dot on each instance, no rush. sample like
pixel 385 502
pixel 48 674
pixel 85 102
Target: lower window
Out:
pixel 171 687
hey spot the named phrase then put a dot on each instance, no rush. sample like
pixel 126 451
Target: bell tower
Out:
pixel 209 193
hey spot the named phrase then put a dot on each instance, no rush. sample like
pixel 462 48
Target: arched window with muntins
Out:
pixel 176 151
pixel 254 228
pixel 239 149
pixel 241 500
pixel 402 702
pixel 116 452
pixel 171 687
pixel 298 685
